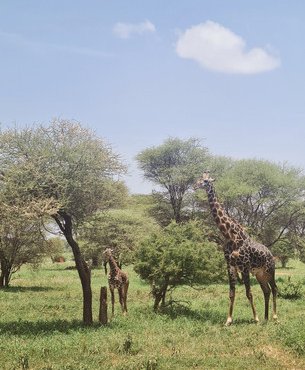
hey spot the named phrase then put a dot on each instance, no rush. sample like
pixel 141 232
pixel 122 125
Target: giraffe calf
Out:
pixel 117 279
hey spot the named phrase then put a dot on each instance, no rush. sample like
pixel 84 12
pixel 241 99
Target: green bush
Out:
pixel 180 254
pixel 289 289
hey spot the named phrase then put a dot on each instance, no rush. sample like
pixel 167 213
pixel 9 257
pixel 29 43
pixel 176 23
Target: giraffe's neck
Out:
pixel 114 268
pixel 229 228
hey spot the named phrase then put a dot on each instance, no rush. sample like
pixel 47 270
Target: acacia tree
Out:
pixel 283 250
pixel 174 166
pixel 64 171
pixel 296 235
pixel 266 198
pixel 21 241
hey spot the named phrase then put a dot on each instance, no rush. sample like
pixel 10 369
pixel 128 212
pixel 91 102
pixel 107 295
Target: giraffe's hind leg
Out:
pixel 112 299
pixel 267 283
pixel 274 295
pixel 246 279
pixel 125 289
pixel 121 297
pixel 266 290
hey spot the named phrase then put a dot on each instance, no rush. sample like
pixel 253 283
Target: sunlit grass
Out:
pixel 41 328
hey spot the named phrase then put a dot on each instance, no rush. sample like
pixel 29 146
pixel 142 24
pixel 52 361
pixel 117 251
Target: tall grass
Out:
pixel 41 328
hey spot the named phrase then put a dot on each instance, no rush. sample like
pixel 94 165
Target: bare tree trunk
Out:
pixel 157 301
pixel 81 266
pixel 284 261
pixel 176 209
pixel 103 316
pixel 160 296
pixel 2 272
pixel 95 261
pixel 7 278
pixel 164 291
pixel 5 275
pixel 85 277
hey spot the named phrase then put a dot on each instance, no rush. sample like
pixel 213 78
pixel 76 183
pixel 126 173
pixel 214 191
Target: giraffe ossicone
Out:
pixel 242 254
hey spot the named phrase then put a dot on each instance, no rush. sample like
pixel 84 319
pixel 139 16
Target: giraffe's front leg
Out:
pixel 232 273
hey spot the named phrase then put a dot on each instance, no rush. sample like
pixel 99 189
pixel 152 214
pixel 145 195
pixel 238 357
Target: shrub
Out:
pixel 289 289
pixel 180 254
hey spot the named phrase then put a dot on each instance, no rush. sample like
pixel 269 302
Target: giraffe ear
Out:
pixel 206 176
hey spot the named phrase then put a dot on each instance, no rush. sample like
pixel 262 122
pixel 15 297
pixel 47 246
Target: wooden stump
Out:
pixel 103 317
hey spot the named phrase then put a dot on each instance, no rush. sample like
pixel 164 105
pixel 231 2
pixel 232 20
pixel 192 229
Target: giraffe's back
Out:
pixel 118 279
pixel 255 257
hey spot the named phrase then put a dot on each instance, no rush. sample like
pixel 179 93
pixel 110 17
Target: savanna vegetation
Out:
pixel 62 199
pixel 40 326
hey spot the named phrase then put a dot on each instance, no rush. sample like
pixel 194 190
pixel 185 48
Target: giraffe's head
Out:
pixel 204 181
pixel 107 254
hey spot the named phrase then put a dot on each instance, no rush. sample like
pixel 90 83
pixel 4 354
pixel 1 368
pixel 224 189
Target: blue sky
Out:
pixel 231 73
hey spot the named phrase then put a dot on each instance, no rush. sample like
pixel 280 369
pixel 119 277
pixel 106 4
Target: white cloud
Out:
pixel 126 30
pixel 217 48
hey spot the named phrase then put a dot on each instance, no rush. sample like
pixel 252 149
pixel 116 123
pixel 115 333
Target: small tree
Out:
pixel 21 242
pixel 301 251
pixel 181 254
pixel 283 250
pixel 173 166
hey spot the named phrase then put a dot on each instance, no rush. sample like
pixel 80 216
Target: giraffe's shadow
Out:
pixel 204 314
pixel 207 315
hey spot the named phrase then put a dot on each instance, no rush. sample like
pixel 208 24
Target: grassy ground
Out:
pixel 40 327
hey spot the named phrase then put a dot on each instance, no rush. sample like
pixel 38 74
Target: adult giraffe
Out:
pixel 242 254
